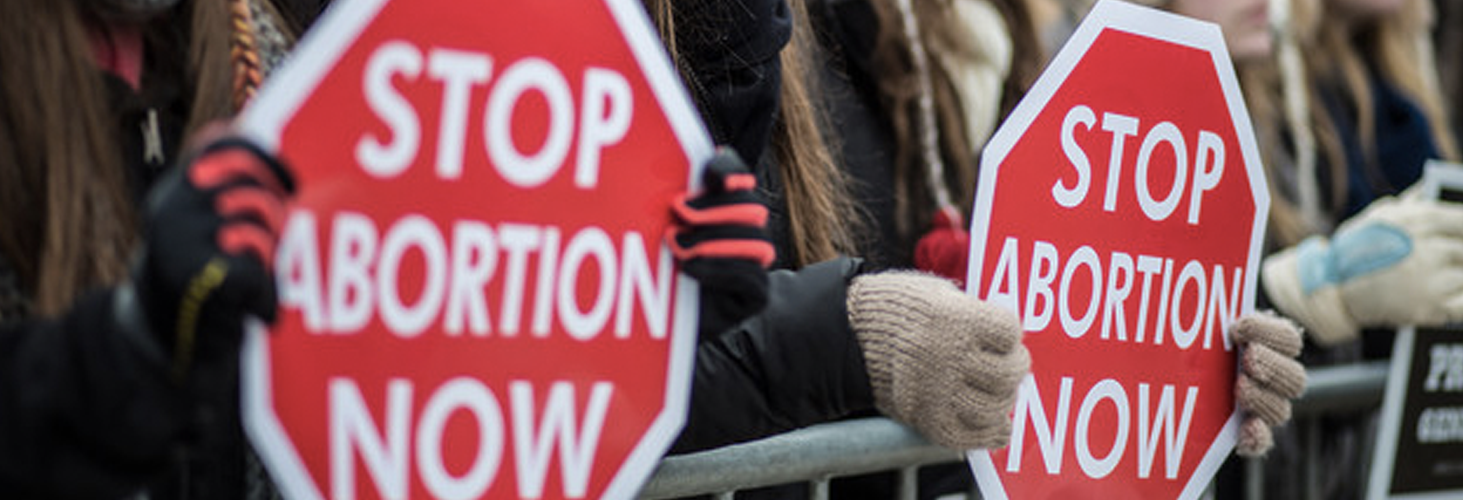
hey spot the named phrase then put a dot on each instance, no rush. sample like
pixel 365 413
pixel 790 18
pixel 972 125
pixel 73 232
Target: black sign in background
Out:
pixel 1426 467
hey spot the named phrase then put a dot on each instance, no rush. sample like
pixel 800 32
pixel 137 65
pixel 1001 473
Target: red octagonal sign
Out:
pixel 475 297
pixel 1120 213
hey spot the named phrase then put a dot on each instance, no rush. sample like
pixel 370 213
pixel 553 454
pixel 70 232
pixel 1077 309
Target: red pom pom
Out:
pixel 944 249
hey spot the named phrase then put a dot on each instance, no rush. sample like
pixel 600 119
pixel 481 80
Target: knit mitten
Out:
pixel 1269 378
pixel 939 360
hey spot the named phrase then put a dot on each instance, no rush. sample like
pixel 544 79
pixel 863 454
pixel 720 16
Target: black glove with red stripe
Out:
pixel 721 239
pixel 208 251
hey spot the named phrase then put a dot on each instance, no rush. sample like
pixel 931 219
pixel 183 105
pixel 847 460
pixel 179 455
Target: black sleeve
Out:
pixel 84 411
pixel 730 51
pixel 795 364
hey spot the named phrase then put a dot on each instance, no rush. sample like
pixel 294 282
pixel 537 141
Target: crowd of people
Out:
pixel 862 122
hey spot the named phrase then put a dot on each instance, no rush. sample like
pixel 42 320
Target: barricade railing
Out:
pixel 819 453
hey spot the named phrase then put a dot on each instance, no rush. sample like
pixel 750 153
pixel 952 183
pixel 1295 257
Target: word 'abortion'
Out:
pixel 361 277
pixel 1182 297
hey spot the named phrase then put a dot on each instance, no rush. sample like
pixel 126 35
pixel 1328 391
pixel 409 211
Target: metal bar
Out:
pixel 1313 459
pixel 1335 389
pixel 874 444
pixel 908 483
pixel 1254 479
pixel 818 489
pixel 824 450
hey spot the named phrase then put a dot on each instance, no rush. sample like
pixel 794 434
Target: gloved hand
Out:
pixel 720 236
pixel 939 360
pixel 208 251
pixel 1399 262
pixel 1269 378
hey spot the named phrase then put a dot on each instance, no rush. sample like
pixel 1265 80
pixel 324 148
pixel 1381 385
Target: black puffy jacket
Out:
pixel 84 412
pixel 795 364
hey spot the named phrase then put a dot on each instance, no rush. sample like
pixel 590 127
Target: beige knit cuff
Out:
pixel 939 360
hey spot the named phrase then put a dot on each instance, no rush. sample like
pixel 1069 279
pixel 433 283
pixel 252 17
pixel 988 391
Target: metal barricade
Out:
pixel 819 453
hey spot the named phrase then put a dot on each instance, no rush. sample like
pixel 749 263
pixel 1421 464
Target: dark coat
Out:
pixel 798 362
pixel 102 419
pixel 87 411
pixel 795 364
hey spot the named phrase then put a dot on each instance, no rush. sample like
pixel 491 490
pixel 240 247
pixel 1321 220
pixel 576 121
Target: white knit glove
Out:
pixel 1399 262
pixel 1269 378
pixel 939 360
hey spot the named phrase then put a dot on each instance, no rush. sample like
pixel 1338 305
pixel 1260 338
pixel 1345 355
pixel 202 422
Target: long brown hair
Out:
pixel 823 220
pixel 64 223
pixel 66 215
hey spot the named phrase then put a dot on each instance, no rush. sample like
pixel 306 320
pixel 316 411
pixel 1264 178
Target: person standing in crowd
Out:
pixel 835 339
pixel 1363 114
pixel 751 63
pixel 1378 117
pixel 120 320
pixel 932 65
pixel 907 357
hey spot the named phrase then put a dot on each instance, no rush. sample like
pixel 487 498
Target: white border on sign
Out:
pixel 276 104
pixel 1152 23
pixel 1436 175
pixel 261 423
pixel 1384 459
pixel 665 83
pixel 1386 449
pixel 262 122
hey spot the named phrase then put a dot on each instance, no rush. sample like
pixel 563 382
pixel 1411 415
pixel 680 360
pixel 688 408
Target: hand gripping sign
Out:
pixel 475 297
pixel 1120 213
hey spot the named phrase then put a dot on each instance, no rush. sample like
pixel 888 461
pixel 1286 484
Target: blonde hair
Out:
pixel 1401 47
pixel 1285 101
pixel 1404 51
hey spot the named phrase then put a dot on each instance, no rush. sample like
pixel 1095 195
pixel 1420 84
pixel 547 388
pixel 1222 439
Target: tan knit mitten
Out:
pixel 939 360
pixel 1269 377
